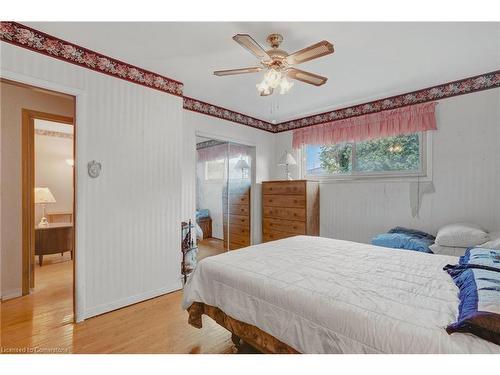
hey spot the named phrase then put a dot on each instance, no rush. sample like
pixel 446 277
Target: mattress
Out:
pixel 321 295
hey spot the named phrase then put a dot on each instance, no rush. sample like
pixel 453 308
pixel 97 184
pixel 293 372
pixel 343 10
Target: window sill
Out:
pixel 372 179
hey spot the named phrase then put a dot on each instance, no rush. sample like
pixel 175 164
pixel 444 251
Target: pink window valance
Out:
pixel 405 120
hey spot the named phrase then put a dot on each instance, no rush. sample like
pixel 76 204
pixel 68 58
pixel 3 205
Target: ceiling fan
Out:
pixel 278 64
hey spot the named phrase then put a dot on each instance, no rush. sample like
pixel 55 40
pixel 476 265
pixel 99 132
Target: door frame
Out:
pixel 28 192
pixel 79 92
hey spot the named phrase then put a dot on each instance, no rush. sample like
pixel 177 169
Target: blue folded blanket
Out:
pixel 407 239
pixel 200 214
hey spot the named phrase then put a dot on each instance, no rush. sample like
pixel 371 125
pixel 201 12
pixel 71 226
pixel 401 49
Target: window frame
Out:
pixel 423 174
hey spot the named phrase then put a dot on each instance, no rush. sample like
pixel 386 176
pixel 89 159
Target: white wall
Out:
pixel 465 169
pixel 128 219
pixel 195 123
pixel 52 171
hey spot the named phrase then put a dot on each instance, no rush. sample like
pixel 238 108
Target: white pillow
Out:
pixel 494 243
pixel 448 250
pixel 461 235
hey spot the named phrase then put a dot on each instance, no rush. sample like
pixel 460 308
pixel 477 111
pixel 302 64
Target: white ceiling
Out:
pixel 371 60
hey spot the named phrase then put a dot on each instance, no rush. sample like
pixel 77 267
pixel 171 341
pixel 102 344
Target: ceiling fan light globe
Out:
pixel 285 86
pixel 263 88
pixel 272 78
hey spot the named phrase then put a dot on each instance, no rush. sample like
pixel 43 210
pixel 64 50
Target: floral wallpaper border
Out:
pixel 210 143
pixel 447 90
pixel 26 37
pixel 196 105
pixel 52 133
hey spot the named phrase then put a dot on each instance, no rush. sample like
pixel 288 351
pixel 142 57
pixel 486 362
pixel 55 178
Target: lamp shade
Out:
pixel 287 159
pixel 241 164
pixel 43 195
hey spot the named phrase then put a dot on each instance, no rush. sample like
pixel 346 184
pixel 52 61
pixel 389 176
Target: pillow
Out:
pixel 448 250
pixel 402 241
pixel 461 235
pixel 414 233
pixel 479 309
pixel 494 243
pixel 481 258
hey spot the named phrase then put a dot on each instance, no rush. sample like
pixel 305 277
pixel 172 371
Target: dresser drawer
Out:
pixel 236 229
pixel 285 213
pixel 242 221
pixel 237 199
pixel 240 239
pixel 290 226
pixel 284 187
pixel 284 201
pixel 237 209
pixel 275 235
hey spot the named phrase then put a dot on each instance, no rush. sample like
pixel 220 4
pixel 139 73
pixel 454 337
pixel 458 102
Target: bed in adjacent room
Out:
pixel 318 295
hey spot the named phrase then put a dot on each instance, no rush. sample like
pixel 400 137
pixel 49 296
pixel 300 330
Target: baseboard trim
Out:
pixel 9 294
pixel 108 307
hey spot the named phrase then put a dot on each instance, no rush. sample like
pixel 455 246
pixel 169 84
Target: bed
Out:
pixel 318 295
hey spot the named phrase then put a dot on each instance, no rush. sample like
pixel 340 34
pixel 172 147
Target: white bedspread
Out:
pixel 320 295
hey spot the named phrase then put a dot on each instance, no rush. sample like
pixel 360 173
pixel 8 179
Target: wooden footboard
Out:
pixel 250 334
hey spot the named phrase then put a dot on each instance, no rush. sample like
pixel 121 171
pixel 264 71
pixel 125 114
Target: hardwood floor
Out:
pixel 43 322
pixel 210 246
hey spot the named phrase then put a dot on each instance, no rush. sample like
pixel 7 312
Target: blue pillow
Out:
pixel 403 241
pixel 412 232
pixel 479 309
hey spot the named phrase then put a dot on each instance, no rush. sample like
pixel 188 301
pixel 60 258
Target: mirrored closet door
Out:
pixel 223 195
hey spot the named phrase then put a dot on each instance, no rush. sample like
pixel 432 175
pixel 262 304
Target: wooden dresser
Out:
pixel 236 220
pixel 53 239
pixel 205 224
pixel 289 208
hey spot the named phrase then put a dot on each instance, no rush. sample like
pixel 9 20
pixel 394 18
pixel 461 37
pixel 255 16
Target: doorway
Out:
pixel 43 121
pixel 48 166
pixel 224 179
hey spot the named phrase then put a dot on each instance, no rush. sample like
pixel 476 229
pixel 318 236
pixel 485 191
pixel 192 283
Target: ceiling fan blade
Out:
pixel 322 48
pixel 306 77
pixel 237 71
pixel 247 42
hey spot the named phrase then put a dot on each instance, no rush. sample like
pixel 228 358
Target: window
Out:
pixel 396 156
pixel 214 169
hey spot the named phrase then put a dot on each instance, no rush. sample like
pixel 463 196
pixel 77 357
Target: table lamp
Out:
pixel 243 165
pixel 285 161
pixel 43 196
